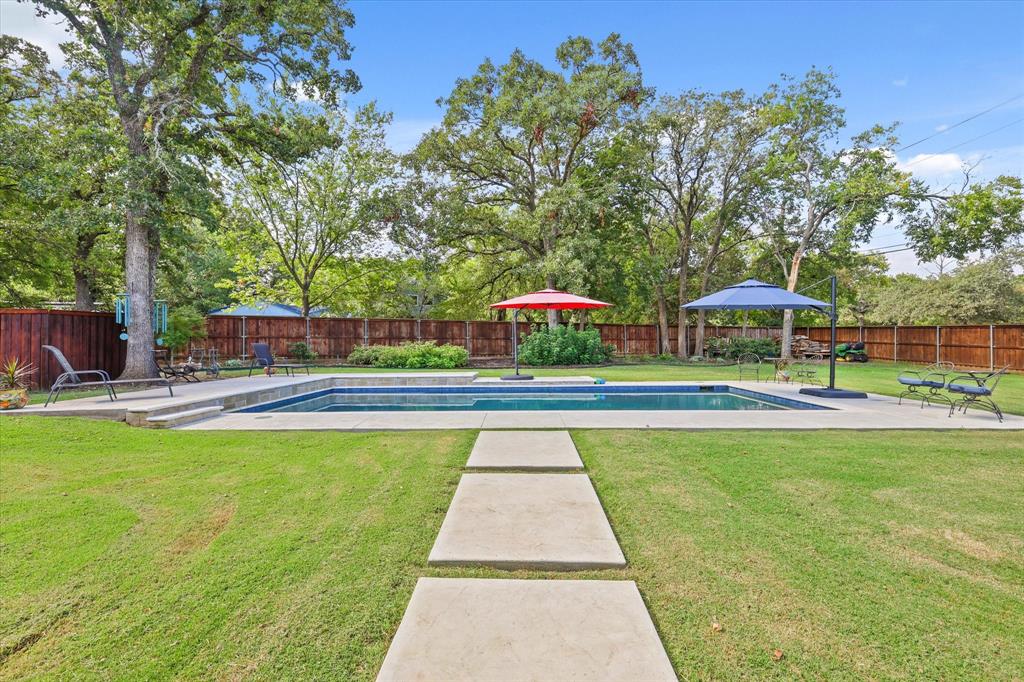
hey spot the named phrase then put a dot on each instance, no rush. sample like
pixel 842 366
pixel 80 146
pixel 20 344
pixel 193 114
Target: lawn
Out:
pixel 132 554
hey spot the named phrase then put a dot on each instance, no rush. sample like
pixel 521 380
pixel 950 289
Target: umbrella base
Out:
pixel 517 377
pixel 832 392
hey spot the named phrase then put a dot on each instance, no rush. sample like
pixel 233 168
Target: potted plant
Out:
pixel 14 384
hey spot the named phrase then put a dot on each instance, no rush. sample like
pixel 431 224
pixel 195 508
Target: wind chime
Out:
pixel 123 317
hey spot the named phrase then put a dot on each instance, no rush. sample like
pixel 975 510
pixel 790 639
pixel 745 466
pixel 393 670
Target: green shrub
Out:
pixel 762 348
pixel 183 325
pixel 233 363
pixel 564 345
pixel 301 352
pixel 413 355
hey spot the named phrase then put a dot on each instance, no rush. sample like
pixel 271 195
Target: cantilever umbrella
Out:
pixel 755 295
pixel 546 299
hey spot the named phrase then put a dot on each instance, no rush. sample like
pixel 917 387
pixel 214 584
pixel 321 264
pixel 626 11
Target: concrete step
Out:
pixel 166 421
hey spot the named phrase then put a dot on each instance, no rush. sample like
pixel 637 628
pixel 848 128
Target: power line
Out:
pixel 961 144
pixel 959 123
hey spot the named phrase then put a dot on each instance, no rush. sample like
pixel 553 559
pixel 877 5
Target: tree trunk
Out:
pixel 85 294
pixel 787 316
pixel 698 341
pixel 139 278
pixel 683 349
pixel 664 347
pixel 305 302
pixel 549 282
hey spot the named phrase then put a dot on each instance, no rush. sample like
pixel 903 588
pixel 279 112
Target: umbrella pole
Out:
pixel 832 353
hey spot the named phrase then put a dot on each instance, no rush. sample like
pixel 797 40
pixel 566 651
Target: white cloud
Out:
pixel 901 82
pixel 942 127
pixel 20 20
pixel 932 164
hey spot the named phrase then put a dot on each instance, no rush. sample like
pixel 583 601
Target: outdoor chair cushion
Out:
pixel 967 388
pixel 914 381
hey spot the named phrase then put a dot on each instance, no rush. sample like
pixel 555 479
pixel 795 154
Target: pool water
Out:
pixel 575 398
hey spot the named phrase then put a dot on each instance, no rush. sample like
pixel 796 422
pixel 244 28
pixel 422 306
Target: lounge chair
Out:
pixel 932 377
pixel 749 365
pixel 262 357
pixel 975 390
pixel 173 372
pixel 72 378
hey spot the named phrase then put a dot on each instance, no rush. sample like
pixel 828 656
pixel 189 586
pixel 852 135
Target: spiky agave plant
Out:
pixel 14 374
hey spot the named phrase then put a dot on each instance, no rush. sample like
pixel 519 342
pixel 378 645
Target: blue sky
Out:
pixel 925 64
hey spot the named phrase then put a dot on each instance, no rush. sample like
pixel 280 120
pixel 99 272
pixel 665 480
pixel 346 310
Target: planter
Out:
pixel 13 398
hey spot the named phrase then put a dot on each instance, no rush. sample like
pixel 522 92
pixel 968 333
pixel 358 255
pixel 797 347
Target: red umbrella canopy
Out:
pixel 550 299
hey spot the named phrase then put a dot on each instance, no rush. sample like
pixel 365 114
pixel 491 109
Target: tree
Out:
pixel 175 71
pixel 320 208
pixel 512 148
pixel 981 217
pixel 823 196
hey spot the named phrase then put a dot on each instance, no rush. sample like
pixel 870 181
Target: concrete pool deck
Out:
pixel 206 406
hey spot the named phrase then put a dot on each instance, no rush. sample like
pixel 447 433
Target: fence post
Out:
pixel 245 345
pixel 625 339
pixel 469 338
pixel 419 335
pixel 938 338
pixel 895 342
pixel 991 347
pixel 309 340
pixel 366 331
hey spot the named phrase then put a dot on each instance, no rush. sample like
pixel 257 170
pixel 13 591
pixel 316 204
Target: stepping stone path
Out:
pixel 525 451
pixel 485 629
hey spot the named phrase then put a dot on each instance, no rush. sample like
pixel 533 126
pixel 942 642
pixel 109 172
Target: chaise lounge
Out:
pixel 262 357
pixel 72 378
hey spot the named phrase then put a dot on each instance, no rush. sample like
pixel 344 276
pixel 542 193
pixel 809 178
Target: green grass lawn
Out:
pixel 138 554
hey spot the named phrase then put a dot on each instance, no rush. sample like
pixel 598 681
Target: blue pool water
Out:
pixel 518 398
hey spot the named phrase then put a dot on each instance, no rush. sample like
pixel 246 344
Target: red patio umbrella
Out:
pixel 546 299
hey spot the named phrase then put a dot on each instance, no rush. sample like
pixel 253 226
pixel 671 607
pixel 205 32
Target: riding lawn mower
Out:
pixel 851 352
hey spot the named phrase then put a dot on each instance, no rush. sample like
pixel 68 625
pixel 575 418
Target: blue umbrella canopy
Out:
pixel 756 295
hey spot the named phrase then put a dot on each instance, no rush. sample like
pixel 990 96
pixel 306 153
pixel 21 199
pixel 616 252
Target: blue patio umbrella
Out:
pixel 756 295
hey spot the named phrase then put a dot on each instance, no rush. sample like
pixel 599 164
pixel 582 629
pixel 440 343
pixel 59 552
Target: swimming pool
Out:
pixel 520 398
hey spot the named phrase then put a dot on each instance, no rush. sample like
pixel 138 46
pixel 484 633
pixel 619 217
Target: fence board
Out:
pixel 89 340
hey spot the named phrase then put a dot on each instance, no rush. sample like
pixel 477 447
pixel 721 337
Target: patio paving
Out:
pixel 483 629
pixel 540 521
pixel 525 450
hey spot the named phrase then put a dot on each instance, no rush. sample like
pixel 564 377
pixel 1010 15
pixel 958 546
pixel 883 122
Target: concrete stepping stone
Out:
pixel 509 630
pixel 526 450
pixel 541 521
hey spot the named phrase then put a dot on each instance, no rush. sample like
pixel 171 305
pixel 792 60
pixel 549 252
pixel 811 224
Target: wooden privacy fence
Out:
pixel 89 340
pixel 334 338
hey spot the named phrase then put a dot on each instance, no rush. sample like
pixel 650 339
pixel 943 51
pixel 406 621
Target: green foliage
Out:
pixel 301 352
pixel 184 325
pixel 564 345
pixel 15 374
pixel 762 348
pixel 414 355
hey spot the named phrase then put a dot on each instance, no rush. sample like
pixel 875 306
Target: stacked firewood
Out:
pixel 803 346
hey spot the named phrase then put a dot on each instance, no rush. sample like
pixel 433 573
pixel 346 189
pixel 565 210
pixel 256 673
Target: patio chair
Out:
pixel 262 357
pixel 806 371
pixel 976 390
pixel 173 372
pixel 72 378
pixel 749 364
pixel 932 378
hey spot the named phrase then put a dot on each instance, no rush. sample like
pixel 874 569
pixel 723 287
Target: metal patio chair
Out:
pixel 72 378
pixel 932 378
pixel 262 357
pixel 975 390
pixel 749 364
pixel 806 371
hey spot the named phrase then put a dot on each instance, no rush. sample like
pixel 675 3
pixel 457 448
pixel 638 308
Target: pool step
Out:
pixel 166 421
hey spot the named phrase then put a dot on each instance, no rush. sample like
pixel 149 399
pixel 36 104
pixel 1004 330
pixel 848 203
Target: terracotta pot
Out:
pixel 13 398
